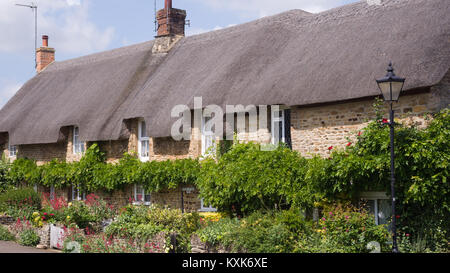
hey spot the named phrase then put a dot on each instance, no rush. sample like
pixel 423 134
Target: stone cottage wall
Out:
pixel 314 129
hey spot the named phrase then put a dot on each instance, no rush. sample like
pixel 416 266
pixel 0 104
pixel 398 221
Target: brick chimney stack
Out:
pixel 170 21
pixel 44 55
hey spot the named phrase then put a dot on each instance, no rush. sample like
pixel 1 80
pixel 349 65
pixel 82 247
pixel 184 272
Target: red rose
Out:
pixel 349 144
pixel 359 134
pixel 330 148
pixel 397 216
pixel 385 121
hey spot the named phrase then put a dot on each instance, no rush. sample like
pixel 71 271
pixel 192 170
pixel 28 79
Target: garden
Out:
pixel 268 202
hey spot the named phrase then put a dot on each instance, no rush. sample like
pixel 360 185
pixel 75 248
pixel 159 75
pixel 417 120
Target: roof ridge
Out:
pixel 101 56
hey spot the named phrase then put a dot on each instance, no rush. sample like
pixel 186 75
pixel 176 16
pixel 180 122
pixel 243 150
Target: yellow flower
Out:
pixel 68 217
pixel 70 204
pixel 36 214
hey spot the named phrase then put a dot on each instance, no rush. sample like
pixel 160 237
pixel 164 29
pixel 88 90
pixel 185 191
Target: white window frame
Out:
pixel 204 208
pixel 375 196
pixel 143 193
pixel 78 146
pixel 206 150
pixel 141 140
pixel 77 195
pixel 275 119
pixel 12 150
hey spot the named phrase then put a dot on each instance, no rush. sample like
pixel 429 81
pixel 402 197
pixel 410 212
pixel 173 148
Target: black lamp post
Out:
pixel 390 87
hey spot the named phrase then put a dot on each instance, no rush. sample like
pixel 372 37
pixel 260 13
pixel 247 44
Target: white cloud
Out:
pixel 7 91
pixel 261 8
pixel 66 22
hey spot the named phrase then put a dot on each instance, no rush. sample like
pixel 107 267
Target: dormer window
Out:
pixel 143 142
pixel 78 146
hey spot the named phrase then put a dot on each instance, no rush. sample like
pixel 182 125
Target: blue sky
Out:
pixel 81 27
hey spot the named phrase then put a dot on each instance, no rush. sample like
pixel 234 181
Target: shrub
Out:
pixel 141 222
pixel 344 229
pixel 261 232
pixel 215 232
pixel 247 179
pixel 6 183
pixel 5 235
pixel 29 237
pixel 20 202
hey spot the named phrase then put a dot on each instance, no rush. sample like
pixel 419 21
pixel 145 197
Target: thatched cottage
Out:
pixel 320 68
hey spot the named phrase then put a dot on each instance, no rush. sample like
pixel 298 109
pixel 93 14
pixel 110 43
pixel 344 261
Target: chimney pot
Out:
pixel 168 4
pixel 45 41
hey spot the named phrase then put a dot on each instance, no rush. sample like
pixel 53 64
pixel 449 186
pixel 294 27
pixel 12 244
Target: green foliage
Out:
pixel 91 173
pixel 6 183
pixel 217 232
pixel 142 223
pixel 260 232
pixel 29 237
pixel 20 202
pixel 5 235
pixel 422 171
pixel 247 179
pixel 344 229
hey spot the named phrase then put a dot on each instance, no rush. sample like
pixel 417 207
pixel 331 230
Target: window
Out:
pixel 278 126
pixel 12 150
pixel 379 205
pixel 144 142
pixel 141 196
pixel 208 147
pixel 78 146
pixel 77 194
pixel 206 208
pixel 52 193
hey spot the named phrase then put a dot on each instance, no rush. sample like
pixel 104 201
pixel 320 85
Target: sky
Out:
pixel 81 27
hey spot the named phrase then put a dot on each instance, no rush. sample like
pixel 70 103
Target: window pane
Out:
pixel 147 198
pixel 145 144
pixel 384 211
pixel 278 114
pixel 276 132
pixel 143 129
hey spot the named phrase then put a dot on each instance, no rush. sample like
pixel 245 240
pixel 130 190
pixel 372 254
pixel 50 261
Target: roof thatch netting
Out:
pixel 294 58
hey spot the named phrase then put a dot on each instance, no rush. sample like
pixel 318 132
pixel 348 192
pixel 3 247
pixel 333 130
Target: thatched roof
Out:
pixel 294 58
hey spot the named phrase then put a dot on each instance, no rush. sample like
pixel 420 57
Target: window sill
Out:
pixel 142 203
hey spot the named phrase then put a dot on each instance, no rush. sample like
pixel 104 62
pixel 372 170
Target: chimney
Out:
pixel 44 55
pixel 171 21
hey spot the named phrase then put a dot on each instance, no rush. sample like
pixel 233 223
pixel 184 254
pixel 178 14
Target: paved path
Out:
pixel 11 247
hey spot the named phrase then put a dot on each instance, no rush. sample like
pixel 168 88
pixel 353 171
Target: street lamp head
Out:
pixel 391 85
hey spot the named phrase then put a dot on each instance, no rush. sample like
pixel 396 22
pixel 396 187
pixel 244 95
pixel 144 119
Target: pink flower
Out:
pixel 407 234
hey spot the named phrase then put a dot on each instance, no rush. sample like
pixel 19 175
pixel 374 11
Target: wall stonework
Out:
pixel 315 129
